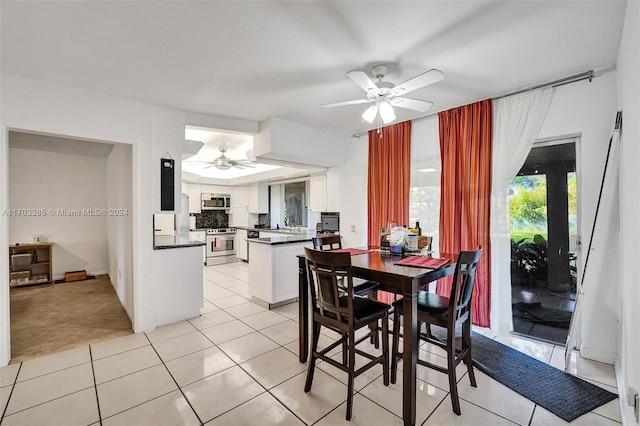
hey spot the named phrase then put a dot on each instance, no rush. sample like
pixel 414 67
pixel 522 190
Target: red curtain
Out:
pixel 389 178
pixel 389 183
pixel 465 197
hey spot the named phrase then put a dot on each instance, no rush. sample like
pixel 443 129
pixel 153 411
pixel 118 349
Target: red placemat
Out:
pixel 351 250
pixel 423 262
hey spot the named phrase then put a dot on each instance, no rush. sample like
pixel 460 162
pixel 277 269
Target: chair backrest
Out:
pixel 462 286
pixel 325 269
pixel 331 242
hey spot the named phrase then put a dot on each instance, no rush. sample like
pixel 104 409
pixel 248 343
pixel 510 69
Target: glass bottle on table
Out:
pixel 418 228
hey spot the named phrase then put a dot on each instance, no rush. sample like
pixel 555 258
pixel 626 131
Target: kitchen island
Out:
pixel 273 269
pixel 178 277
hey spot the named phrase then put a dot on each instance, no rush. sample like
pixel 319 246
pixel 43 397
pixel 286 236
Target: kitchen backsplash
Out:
pixel 211 219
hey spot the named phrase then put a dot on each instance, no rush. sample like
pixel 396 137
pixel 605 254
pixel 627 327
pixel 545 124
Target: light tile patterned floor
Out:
pixel 237 364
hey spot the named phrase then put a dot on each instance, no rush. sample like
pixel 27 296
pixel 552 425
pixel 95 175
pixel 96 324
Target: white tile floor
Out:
pixel 237 364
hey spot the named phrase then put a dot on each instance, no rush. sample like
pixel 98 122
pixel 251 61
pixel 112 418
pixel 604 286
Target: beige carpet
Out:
pixel 56 317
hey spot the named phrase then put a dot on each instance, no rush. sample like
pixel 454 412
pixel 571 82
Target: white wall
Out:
pixel 50 180
pixel 119 228
pixel 347 192
pixel 589 109
pixel 628 368
pixel 38 107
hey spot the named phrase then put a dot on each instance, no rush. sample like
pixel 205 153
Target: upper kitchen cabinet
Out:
pixel 240 197
pixel 318 193
pixel 195 203
pixel 239 206
pixel 258 198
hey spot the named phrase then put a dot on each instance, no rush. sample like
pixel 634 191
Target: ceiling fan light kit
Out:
pixel 385 95
pixel 223 162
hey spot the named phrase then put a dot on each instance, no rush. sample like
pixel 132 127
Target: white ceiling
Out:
pixel 254 60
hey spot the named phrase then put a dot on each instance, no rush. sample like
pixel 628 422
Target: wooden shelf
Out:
pixel 38 272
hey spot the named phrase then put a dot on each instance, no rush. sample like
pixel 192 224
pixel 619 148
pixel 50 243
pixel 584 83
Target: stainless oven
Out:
pixel 221 246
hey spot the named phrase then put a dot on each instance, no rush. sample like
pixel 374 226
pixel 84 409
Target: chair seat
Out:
pixel 364 309
pixel 429 303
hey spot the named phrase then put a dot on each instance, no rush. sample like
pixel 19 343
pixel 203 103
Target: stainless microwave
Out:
pixel 211 201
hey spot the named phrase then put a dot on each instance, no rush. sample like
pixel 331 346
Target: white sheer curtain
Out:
pixel 517 121
pixel 425 176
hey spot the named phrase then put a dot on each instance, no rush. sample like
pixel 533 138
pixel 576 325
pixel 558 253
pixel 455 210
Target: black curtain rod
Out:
pixel 586 75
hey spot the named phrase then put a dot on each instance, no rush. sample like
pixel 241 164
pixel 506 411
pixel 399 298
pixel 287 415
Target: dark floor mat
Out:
pixel 566 396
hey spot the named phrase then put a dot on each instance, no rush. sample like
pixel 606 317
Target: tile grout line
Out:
pixel 95 385
pixel 13 386
pixel 174 381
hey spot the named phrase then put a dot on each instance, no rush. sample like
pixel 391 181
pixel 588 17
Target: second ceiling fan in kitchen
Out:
pixel 385 95
pixel 223 162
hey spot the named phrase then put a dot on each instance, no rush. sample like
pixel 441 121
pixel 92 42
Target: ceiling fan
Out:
pixel 223 162
pixel 385 95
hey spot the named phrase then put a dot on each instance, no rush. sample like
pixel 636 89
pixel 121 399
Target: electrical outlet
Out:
pixel 353 228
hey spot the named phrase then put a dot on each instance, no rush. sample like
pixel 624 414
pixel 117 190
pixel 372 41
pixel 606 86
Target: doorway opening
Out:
pixel 543 232
pixel 62 190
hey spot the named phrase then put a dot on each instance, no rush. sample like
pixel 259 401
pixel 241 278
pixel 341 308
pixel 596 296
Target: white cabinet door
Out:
pixel 240 197
pixel 318 193
pixel 241 244
pixel 258 198
pixel 195 197
pixel 285 261
pixel 200 236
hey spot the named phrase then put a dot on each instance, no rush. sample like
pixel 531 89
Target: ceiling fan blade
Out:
pixel 354 102
pixel 424 79
pixel 363 80
pixel 414 104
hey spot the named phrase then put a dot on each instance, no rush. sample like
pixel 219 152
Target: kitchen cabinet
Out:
pixel 273 271
pixel 318 193
pixel 194 193
pixel 239 206
pixel 240 197
pixel 242 251
pixel 178 282
pixel 258 195
pixel 30 264
pixel 200 236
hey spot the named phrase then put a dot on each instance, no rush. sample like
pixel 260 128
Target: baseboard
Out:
pixel 596 355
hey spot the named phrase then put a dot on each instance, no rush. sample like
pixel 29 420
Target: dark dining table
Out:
pixel 403 280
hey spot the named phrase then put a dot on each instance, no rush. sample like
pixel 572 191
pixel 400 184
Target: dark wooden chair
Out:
pixel 344 314
pixel 449 313
pixel 334 242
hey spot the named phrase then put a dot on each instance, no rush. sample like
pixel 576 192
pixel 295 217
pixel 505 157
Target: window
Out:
pixel 295 204
pixel 288 204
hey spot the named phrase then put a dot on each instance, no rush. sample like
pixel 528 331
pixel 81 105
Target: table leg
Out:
pixel 303 310
pixel 410 355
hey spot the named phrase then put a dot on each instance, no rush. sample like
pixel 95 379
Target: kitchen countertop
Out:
pixel 161 242
pixel 303 231
pixel 288 239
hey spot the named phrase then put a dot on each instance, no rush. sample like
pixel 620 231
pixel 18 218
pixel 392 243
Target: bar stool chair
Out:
pixel 334 242
pixel 449 313
pixel 343 314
